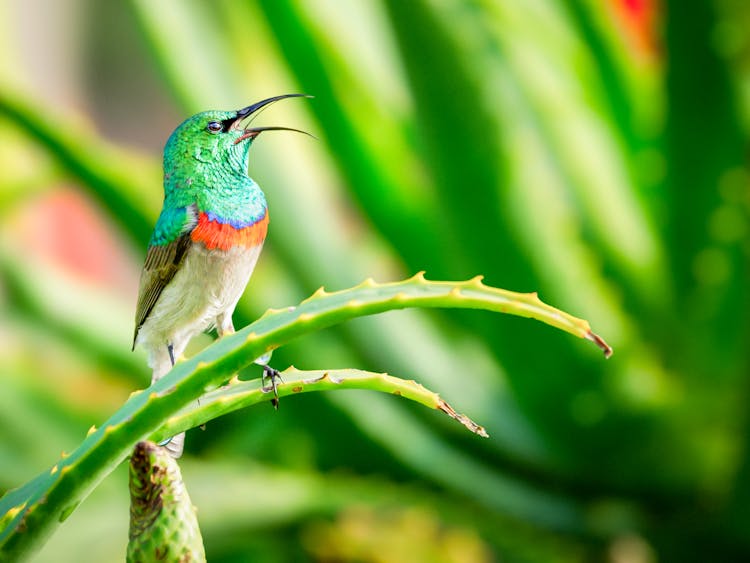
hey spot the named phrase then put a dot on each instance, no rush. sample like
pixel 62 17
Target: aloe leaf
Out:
pixel 600 182
pixel 31 512
pixel 460 86
pixel 451 113
pixel 240 394
pixel 371 145
pixel 209 54
pixel 709 252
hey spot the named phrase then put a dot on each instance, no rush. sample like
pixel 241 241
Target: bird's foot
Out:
pixel 273 375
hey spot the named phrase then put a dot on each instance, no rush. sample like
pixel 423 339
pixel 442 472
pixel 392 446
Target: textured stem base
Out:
pixel 163 525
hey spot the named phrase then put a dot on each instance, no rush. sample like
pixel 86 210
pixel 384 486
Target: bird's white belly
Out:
pixel 204 290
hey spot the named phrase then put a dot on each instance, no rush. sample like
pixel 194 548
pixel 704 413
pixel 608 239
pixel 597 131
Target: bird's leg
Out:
pixel 175 447
pixel 273 375
pixel 224 326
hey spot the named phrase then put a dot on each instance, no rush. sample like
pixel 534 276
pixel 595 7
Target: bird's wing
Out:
pixel 162 263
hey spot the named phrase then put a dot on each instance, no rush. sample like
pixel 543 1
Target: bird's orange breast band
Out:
pixel 215 235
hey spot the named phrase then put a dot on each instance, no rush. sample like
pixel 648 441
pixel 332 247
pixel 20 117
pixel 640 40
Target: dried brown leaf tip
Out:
pixel 599 341
pixel 463 419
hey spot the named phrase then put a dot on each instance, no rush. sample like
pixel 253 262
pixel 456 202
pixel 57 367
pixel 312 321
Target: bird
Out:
pixel 206 241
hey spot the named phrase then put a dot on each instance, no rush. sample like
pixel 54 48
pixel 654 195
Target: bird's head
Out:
pixel 218 138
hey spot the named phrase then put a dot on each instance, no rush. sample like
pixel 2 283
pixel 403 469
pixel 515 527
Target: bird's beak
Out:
pixel 252 132
pixel 249 110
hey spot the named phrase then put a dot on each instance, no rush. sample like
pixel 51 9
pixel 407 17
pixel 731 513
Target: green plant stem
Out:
pixel 163 523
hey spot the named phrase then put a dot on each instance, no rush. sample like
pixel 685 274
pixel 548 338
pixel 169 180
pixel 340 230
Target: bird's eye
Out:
pixel 214 127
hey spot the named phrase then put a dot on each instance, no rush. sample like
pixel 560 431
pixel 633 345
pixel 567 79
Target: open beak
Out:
pixel 252 132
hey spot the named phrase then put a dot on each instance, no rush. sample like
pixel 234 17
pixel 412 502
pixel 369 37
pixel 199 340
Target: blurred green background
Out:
pixel 594 151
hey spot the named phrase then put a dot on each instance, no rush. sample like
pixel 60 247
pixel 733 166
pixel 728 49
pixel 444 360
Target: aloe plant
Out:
pixel 163 525
pixel 603 146
pixel 31 512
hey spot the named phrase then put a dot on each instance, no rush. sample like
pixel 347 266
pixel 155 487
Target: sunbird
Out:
pixel 207 238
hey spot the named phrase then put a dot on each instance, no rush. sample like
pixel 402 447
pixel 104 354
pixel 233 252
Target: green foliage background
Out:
pixel 595 152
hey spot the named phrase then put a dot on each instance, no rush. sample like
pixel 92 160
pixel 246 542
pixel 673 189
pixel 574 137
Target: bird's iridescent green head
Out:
pixel 217 139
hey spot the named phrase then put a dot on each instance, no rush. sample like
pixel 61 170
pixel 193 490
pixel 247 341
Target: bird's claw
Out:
pixel 274 376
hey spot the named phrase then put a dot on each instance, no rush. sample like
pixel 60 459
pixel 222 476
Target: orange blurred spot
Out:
pixel 66 228
pixel 639 19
